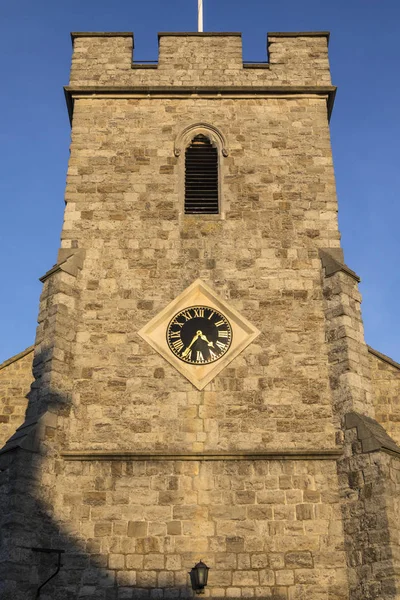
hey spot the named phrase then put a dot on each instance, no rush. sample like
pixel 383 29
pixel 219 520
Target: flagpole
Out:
pixel 200 9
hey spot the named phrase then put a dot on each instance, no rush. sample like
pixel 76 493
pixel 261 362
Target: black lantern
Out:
pixel 199 577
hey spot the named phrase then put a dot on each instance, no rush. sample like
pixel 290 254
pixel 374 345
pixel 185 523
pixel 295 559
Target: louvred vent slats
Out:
pixel 201 177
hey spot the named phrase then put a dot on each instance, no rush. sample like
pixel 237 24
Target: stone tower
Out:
pixel 202 388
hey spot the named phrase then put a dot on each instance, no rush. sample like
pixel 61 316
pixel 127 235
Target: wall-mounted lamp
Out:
pixel 199 577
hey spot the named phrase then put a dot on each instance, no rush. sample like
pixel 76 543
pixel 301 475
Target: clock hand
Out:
pixel 186 352
pixel 211 344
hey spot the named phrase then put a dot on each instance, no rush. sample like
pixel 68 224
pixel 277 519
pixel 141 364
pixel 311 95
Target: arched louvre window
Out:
pixel 201 177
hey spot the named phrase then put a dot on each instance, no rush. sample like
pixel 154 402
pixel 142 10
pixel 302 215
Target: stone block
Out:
pixel 137 529
pixel 304 512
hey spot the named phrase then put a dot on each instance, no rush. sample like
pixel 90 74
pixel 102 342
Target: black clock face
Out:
pixel 199 335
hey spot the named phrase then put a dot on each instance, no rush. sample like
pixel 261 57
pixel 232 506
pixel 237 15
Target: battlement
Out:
pixel 200 59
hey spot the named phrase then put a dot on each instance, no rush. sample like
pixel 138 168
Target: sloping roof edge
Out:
pixel 13 359
pixel 371 434
pixel 383 357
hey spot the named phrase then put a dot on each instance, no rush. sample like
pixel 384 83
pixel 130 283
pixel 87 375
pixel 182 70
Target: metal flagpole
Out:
pixel 200 8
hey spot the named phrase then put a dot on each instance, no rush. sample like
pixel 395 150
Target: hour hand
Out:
pixel 210 344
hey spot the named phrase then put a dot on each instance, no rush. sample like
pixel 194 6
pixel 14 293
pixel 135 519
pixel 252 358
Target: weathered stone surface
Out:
pixel 258 406
pixel 182 474
pixel 200 60
pixel 385 375
pixel 370 489
pixel 15 382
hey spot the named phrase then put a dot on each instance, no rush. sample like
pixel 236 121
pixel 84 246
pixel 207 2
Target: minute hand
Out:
pixel 186 352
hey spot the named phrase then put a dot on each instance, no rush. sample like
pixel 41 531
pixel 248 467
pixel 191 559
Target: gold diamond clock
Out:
pixel 199 334
pixel 198 346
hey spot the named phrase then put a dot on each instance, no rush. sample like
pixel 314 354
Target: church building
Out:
pixel 200 413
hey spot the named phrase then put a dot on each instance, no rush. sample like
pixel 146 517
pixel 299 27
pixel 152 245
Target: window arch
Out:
pixel 202 148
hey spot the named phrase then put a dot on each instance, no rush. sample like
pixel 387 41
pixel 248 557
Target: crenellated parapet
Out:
pixel 206 63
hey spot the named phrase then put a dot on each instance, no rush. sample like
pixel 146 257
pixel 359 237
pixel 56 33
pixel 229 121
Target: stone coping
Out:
pixel 148 65
pixel 13 359
pixel 371 434
pixel 130 34
pixel 76 34
pixel 199 34
pixel 295 34
pixel 286 34
pixel 286 454
pixel 332 263
pixel 383 357
pixel 17 440
pixel 283 34
pixel 153 64
pixel 70 260
pixel 104 34
pixel 256 65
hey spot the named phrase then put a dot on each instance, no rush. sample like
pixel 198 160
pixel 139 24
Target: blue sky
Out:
pixel 35 53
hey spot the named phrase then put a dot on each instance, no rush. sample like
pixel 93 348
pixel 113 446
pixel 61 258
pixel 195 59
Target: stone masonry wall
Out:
pixel 124 198
pixel 386 387
pixel 269 529
pixel 15 382
pixel 393 507
pixel 55 336
pixel 370 491
pixel 28 483
pixel 350 377
pixel 133 528
pixel 200 60
pixel 21 524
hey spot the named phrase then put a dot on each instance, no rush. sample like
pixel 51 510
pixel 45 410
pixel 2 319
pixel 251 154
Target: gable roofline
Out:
pixel 384 358
pixel 13 359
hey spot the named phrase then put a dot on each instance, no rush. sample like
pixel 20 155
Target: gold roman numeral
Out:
pixel 220 323
pixel 178 323
pixel 213 356
pixel 186 315
pixel 223 334
pixel 200 357
pixel 198 312
pixel 178 345
pixel 175 334
pixel 211 314
pixel 221 345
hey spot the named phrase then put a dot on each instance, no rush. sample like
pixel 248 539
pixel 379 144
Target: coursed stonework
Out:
pixel 189 60
pixel 15 381
pixel 263 257
pixel 386 385
pixel 123 463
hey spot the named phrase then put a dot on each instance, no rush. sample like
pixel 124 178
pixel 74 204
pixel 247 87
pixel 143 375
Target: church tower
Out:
pixel 202 388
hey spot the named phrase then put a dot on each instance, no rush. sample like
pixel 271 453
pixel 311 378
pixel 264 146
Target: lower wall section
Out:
pixel 267 529
pixel 370 505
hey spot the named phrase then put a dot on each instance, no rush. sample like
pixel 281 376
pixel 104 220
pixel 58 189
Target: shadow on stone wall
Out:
pixel 364 479
pixel 34 513
pixel 29 468
pixel 27 522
